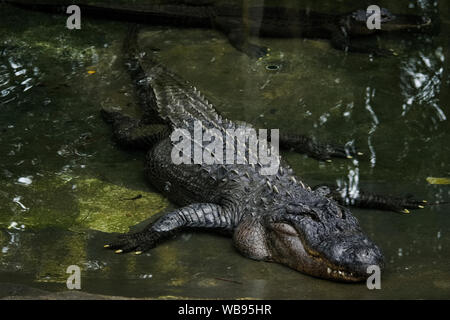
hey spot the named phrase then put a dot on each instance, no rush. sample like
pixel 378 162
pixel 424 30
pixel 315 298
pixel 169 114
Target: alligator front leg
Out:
pixel 236 34
pixel 375 201
pixel 313 148
pixel 369 200
pixel 198 215
pixel 134 133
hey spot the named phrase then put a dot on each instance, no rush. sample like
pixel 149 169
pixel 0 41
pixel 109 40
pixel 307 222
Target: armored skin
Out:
pixel 274 217
pixel 270 217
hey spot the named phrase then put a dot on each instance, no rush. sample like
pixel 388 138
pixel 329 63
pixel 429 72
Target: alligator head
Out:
pixel 356 22
pixel 315 236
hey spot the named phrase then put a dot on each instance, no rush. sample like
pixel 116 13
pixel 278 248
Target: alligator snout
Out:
pixel 350 257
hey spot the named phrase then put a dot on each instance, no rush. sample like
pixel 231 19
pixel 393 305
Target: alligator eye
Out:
pixel 341 212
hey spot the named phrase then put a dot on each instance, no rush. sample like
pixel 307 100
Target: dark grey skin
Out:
pixel 270 217
pixel 238 25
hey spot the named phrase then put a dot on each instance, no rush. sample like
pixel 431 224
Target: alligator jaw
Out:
pixel 290 248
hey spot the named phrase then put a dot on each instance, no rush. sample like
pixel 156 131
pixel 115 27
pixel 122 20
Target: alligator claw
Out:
pixel 384 53
pixel 327 151
pixel 255 51
pixel 411 204
pixel 138 242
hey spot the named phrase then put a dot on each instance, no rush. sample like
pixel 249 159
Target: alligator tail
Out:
pixel 145 93
pixel 160 91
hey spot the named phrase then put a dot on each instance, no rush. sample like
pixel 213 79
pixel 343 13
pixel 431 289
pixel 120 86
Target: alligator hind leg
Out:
pixel 370 200
pixel 198 215
pixel 134 133
pixel 313 148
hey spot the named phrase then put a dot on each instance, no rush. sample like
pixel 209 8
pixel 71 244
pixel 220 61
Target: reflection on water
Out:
pixel 17 74
pixel 370 94
pixel 62 179
pixel 421 81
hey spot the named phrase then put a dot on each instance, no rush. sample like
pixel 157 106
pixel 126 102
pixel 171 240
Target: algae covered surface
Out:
pixel 83 203
pixel 55 147
pixel 66 188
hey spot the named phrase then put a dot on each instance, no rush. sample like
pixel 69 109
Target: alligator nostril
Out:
pixel 369 256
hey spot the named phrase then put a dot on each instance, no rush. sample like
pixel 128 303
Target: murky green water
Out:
pixel 63 181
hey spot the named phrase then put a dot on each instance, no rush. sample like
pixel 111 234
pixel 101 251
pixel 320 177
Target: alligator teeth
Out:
pixel 275 189
pixel 339 272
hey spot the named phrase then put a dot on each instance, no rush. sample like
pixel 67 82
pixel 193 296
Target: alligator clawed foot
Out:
pixel 255 51
pixel 385 52
pixel 411 204
pixel 137 242
pixel 327 152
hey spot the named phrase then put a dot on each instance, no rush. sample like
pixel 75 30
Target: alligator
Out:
pixel 240 24
pixel 270 217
